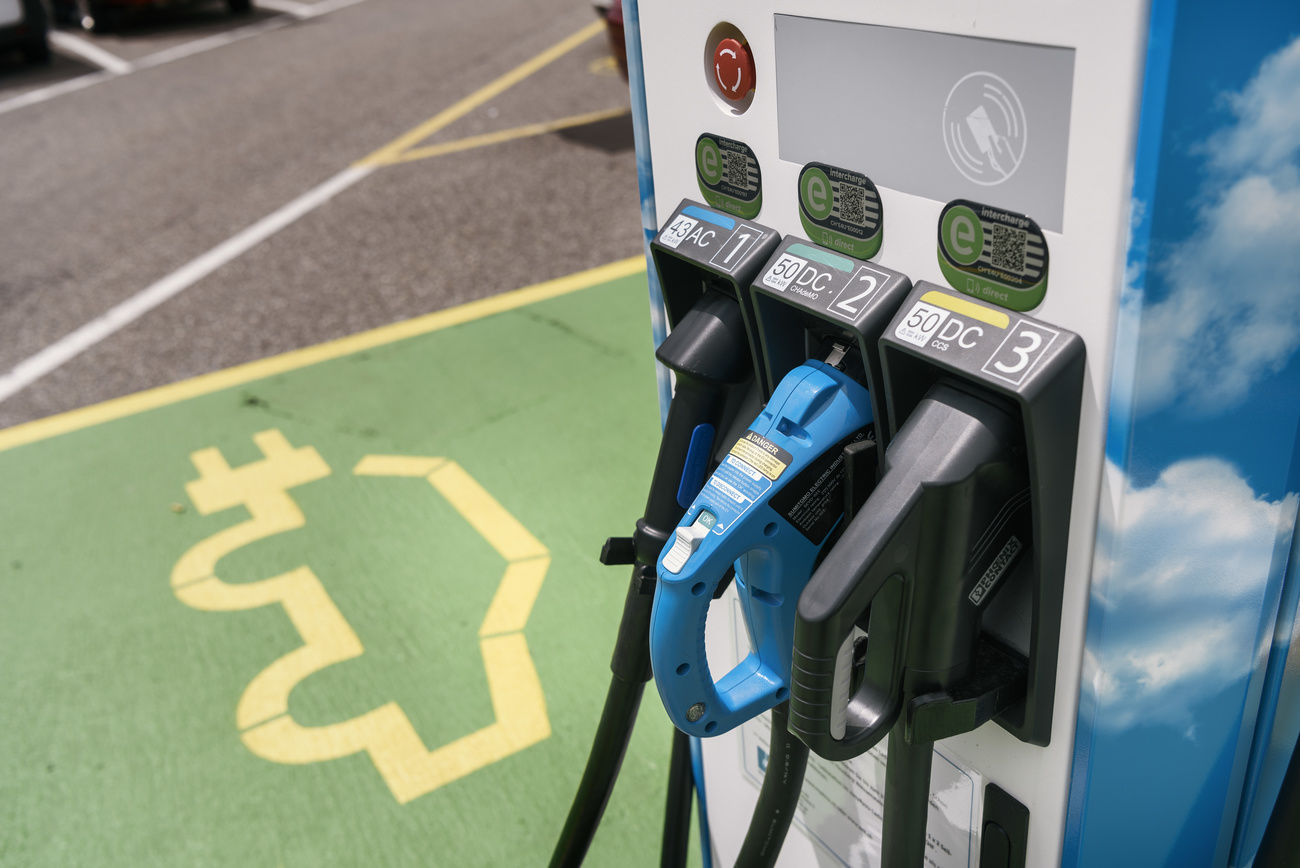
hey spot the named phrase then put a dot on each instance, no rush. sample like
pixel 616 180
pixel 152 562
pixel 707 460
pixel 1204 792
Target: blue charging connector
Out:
pixel 768 509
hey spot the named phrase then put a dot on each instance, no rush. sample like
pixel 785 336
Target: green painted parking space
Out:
pixel 337 608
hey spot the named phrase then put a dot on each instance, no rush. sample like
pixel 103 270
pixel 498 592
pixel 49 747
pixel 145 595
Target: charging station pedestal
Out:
pixel 1118 171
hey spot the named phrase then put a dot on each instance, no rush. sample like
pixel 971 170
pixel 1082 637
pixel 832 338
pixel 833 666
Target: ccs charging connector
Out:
pixel 976 490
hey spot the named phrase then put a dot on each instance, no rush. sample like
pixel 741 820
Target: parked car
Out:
pixel 101 15
pixel 25 26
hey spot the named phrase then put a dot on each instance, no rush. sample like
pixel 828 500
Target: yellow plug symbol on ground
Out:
pixel 262 715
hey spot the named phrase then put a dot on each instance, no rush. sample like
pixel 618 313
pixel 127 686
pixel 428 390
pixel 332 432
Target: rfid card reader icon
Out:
pixel 985 129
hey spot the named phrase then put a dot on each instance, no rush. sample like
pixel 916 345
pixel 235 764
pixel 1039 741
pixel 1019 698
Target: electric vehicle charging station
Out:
pixel 1123 695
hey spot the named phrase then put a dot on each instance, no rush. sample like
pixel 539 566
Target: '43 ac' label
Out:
pixel 994 255
pixel 841 210
pixel 729 175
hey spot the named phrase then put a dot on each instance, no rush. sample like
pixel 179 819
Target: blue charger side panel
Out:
pixel 1181 717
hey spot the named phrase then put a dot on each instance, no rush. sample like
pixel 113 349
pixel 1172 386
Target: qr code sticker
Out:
pixel 1008 248
pixel 852 200
pixel 738 171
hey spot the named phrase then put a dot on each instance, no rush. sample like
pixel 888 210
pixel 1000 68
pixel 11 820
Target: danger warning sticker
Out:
pixel 762 454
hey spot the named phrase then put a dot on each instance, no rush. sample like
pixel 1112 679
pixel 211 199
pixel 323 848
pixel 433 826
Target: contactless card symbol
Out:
pixel 985 128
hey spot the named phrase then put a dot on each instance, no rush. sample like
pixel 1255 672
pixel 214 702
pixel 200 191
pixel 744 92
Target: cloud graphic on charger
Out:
pixel 1181 574
pixel 1231 317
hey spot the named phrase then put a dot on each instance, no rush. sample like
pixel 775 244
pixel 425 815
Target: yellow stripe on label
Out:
pixel 765 463
pixel 968 308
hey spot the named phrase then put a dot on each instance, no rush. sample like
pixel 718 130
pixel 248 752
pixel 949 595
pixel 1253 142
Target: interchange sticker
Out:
pixel 841 210
pixel 994 255
pixel 729 175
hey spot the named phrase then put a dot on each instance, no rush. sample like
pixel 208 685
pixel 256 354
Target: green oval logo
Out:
pixel 708 159
pixel 816 194
pixel 962 235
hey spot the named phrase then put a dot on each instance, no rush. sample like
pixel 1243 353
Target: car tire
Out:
pixel 37 51
pixel 240 7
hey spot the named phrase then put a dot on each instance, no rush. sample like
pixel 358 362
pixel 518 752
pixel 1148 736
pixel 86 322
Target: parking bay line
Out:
pixel 105 60
pixel 289 7
pixel 526 131
pixel 124 313
pixel 167 55
pixel 306 10
pixel 409 140
pixel 226 378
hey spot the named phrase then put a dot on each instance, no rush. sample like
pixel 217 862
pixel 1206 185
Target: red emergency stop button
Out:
pixel 733 69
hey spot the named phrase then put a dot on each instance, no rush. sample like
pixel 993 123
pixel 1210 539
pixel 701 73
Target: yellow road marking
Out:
pixel 605 66
pixel 514 599
pixel 502 531
pixel 407 766
pixel 454 112
pixel 139 402
pixel 526 131
pixel 969 308
pixel 397 465
pixel 261 487
pixel 206 384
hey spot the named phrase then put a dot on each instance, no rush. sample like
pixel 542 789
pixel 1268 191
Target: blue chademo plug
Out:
pixel 768 509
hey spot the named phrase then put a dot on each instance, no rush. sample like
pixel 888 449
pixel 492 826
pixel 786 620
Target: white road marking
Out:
pixel 73 344
pixel 103 59
pixel 167 55
pixel 216 40
pixel 41 94
pixel 327 6
pixel 288 7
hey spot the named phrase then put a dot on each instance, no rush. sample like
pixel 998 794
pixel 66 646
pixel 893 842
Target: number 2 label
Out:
pixel 850 300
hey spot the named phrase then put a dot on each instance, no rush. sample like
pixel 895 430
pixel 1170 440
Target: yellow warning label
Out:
pixel 764 455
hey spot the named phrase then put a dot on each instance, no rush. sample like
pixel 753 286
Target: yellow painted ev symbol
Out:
pixel 268 730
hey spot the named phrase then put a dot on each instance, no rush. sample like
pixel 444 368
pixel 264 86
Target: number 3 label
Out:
pixel 1020 351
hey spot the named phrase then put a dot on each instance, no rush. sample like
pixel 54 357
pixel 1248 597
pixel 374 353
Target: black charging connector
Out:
pixel 705 260
pixel 983 412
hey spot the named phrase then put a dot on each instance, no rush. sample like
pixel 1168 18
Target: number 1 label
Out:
pixel 733 251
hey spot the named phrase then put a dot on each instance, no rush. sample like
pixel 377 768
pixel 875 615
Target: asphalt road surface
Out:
pixel 143 165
